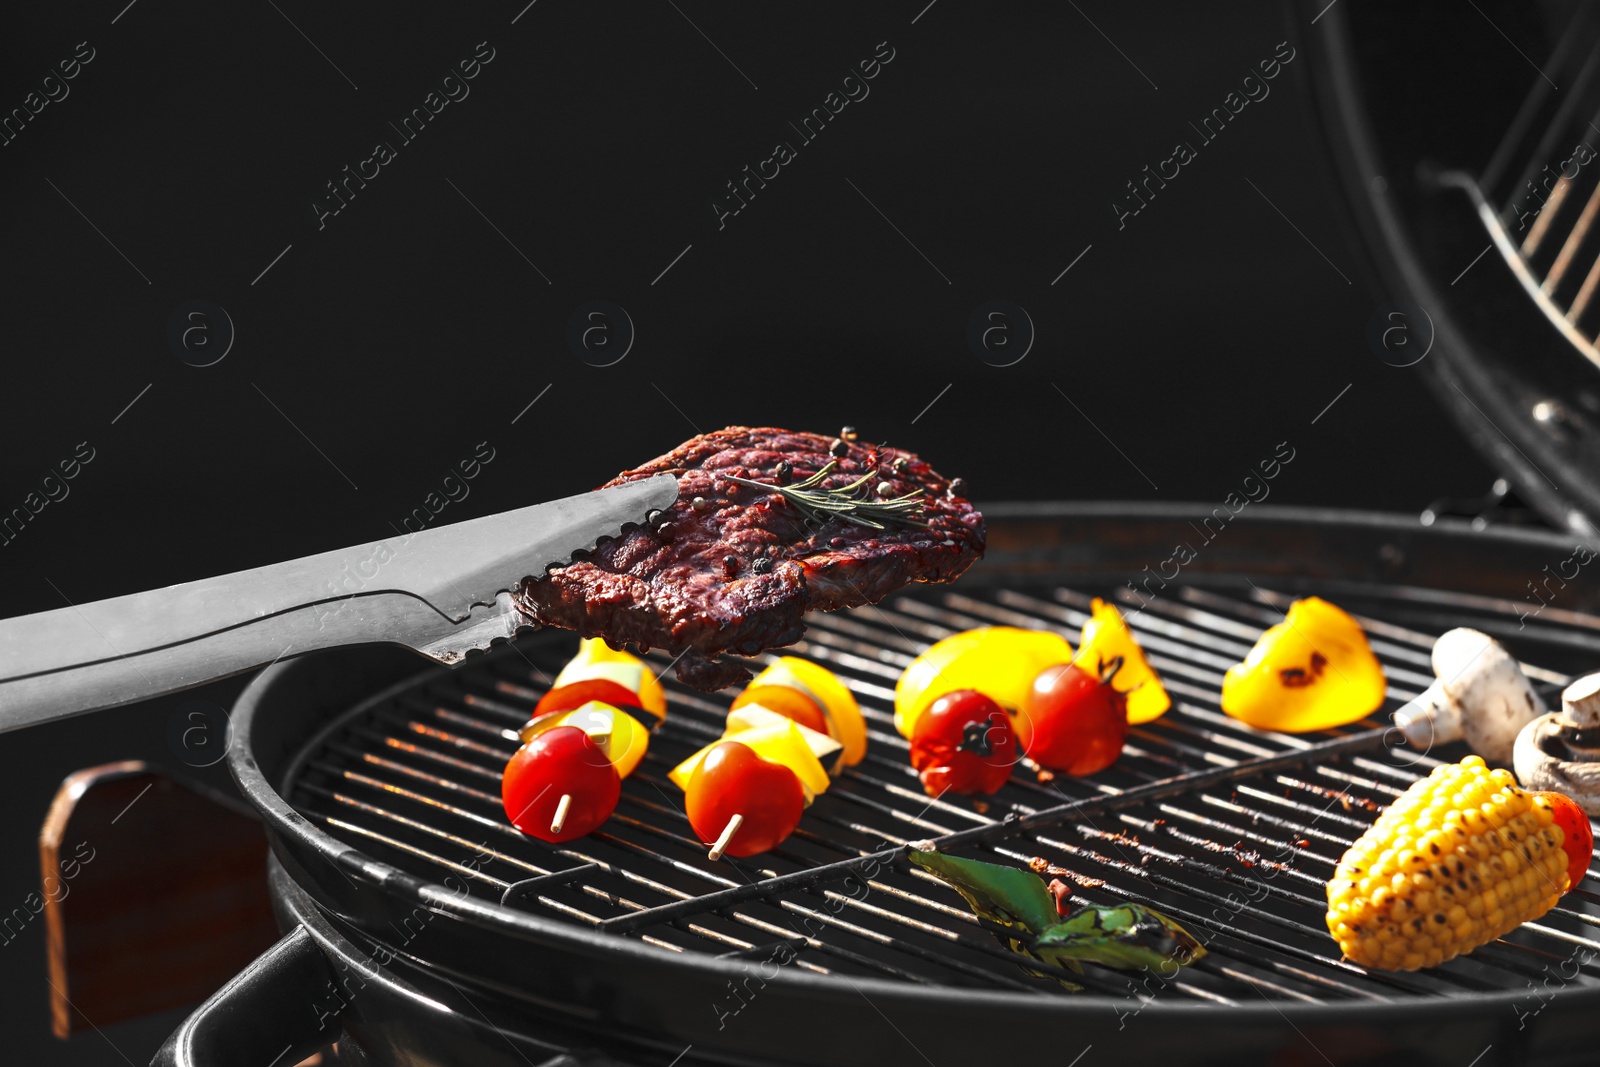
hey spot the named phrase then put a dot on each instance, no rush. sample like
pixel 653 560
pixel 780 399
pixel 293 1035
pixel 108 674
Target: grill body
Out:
pixel 632 948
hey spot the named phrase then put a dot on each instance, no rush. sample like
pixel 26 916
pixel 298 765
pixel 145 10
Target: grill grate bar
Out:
pixel 487 799
pixel 1202 620
pixel 1383 647
pixel 1228 937
pixel 1389 650
pixel 1222 874
pixel 1417 637
pixel 459 720
pixel 984 947
pixel 424 753
pixel 1283 990
pixel 903 920
pixel 400 768
pixel 1012 618
pixel 459 868
pixel 1250 943
pixel 564 877
pixel 1288 781
pixel 518 890
pixel 477 847
pixel 982 834
pixel 927 928
pixel 867 962
pixel 1196 787
pixel 433 733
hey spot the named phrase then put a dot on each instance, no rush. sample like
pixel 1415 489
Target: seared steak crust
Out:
pixel 737 572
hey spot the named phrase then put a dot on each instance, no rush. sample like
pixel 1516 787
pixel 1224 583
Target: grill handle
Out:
pixel 271 1012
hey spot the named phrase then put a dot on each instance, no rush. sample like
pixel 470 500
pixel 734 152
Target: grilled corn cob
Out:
pixel 1461 858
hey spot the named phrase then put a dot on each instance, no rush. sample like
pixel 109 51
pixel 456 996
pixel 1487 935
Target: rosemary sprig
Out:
pixel 846 502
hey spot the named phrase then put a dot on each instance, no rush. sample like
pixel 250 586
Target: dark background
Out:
pixel 379 350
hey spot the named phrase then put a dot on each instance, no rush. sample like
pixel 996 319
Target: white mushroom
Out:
pixel 1480 695
pixel 1559 752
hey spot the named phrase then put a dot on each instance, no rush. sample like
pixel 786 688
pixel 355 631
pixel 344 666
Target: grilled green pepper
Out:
pixel 1124 936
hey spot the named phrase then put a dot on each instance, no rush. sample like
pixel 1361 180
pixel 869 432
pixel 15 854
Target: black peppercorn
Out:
pixel 665 531
pixel 784 470
pixel 839 448
pixel 761 565
pixel 848 433
pixel 958 486
pixel 901 465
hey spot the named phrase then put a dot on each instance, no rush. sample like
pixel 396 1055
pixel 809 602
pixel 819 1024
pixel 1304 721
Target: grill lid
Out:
pixel 1472 173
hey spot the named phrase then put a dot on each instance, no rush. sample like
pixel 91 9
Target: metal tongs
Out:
pixel 443 592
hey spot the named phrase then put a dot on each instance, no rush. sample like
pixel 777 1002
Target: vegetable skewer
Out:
pixel 565 780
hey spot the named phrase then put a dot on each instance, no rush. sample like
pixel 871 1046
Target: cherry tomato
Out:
pixel 577 694
pixel 1578 842
pixel 964 743
pixel 623 738
pixel 997 660
pixel 1073 721
pixel 733 780
pixel 562 762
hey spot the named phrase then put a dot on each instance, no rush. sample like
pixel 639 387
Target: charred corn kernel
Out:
pixel 1462 857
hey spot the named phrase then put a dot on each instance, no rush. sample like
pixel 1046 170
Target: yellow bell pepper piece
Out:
pixel 1000 662
pixel 596 660
pixel 831 696
pixel 829 752
pixel 1313 671
pixel 620 736
pixel 1105 637
pixel 784 742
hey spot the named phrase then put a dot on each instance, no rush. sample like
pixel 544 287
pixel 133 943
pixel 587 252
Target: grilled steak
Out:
pixel 734 567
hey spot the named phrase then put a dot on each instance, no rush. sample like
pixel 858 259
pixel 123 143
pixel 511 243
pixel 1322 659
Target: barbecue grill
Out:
pixel 427 930
pixel 421 928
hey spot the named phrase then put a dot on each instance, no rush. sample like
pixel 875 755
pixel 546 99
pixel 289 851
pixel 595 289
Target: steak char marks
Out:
pixel 734 568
